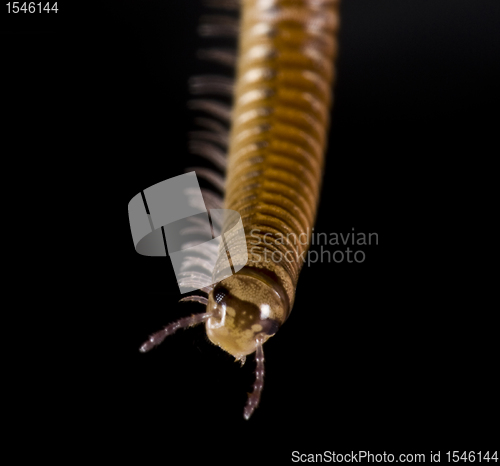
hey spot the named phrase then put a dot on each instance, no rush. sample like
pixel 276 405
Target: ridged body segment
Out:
pixel 278 129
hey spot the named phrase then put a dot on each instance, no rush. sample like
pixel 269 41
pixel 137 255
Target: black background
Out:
pixel 392 354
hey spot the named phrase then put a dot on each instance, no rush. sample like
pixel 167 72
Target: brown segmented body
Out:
pixel 275 150
pixel 278 128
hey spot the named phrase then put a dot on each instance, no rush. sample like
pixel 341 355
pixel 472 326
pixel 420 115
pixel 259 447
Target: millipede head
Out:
pixel 243 310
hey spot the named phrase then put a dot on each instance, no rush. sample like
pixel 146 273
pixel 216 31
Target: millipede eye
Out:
pixel 270 326
pixel 220 293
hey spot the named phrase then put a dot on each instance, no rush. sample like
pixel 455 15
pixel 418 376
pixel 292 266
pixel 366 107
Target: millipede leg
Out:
pixel 185 322
pixel 254 397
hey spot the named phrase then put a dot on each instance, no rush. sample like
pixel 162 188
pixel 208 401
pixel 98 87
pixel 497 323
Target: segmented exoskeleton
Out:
pixel 272 157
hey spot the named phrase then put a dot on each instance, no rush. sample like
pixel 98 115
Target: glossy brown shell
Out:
pixel 278 128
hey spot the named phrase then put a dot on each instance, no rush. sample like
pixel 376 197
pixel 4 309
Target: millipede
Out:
pixel 266 152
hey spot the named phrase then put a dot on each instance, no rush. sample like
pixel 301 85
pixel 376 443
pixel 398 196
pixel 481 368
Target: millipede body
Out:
pixel 272 154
